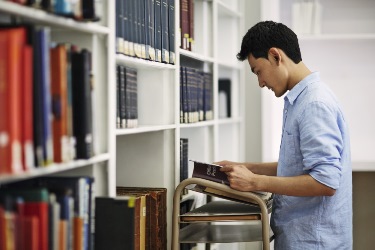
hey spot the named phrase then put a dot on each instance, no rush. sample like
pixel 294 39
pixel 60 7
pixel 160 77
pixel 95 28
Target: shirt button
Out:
pixel 286 111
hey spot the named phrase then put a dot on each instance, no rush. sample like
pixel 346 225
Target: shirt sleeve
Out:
pixel 321 143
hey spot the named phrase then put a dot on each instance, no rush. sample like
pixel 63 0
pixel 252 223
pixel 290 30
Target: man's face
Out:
pixel 269 73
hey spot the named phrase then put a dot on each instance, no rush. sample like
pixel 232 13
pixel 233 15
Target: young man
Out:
pixel 312 180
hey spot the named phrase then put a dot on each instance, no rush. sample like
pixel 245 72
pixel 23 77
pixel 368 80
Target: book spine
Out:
pixel 27 109
pixel 171 23
pixel 164 32
pixel 191 25
pixel 12 41
pixel 158 34
pixel 119 26
pixel 184 24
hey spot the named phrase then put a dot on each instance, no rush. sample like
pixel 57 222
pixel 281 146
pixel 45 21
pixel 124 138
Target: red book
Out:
pixel 40 211
pixel 12 41
pixel 27 108
pixel 59 102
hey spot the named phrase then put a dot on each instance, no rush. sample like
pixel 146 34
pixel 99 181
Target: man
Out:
pixel 312 180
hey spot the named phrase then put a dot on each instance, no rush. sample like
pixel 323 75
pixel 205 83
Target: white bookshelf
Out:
pixel 340 53
pixel 93 36
pixel 149 154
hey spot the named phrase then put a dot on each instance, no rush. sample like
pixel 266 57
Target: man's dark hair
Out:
pixel 267 34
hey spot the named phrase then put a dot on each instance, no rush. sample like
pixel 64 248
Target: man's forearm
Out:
pixel 303 185
pixel 267 168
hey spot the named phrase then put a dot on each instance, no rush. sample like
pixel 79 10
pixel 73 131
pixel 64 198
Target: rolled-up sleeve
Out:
pixel 321 143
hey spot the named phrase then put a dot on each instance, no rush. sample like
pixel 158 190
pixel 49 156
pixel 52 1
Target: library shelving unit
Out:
pixel 149 155
pixel 340 52
pixel 91 35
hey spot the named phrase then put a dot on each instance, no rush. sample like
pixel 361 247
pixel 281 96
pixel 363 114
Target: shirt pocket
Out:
pixel 290 152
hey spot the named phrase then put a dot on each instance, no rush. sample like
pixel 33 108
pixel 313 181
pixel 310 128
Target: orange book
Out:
pixel 78 233
pixel 12 41
pixel 59 102
pixel 63 235
pixel 27 108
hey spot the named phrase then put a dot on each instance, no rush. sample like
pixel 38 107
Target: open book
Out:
pixel 212 172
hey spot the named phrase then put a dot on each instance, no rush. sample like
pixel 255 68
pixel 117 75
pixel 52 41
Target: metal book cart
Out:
pixel 203 232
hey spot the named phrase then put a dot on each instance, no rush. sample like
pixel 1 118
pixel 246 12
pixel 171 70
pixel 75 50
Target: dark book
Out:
pixel 208 96
pixel 82 105
pixel 223 211
pixel 45 81
pixel 142 28
pixel 184 24
pixel 131 99
pixel 132 23
pixel 191 25
pixel 120 26
pixel 164 31
pixel 143 222
pixel 137 28
pixel 125 9
pixel 122 95
pixel 118 121
pixel 149 29
pixel 88 11
pixel 171 28
pixel 114 223
pixel 158 30
pixel 224 98
pixel 210 172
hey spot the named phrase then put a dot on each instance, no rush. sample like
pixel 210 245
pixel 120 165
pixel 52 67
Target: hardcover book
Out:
pixel 211 172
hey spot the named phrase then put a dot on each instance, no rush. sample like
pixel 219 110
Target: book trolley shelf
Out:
pixel 203 232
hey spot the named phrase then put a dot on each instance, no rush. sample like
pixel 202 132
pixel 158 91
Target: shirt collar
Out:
pixel 300 87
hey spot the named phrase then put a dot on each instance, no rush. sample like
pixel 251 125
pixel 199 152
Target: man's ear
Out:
pixel 274 54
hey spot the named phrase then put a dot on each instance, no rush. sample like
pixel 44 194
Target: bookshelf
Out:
pixel 338 51
pixel 93 36
pixel 149 155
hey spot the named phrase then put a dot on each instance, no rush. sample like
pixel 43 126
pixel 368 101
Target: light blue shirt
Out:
pixel 315 141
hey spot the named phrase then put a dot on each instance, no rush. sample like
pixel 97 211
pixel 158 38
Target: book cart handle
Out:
pixel 246 195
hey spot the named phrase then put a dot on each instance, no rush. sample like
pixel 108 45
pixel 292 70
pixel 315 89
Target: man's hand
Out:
pixel 240 177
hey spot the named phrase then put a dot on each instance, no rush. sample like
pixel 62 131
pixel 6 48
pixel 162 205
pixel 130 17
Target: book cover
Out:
pixel 27 109
pixel 114 222
pixel 210 172
pixel 12 41
pixel 158 213
pixel 225 98
pixel 184 24
pixel 171 27
pixel 59 102
pixel 164 31
pixel 43 38
pixel 82 105
pixel 158 30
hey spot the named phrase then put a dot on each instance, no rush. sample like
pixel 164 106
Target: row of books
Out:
pixel 187 25
pixel 47 213
pixel 135 219
pixel 45 100
pixel 195 95
pixel 127 97
pixel 78 9
pixel 146 29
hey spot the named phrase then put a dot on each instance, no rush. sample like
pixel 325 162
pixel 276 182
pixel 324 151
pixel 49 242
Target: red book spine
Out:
pixel 27 109
pixel 11 44
pixel 40 211
pixel 184 23
pixel 59 102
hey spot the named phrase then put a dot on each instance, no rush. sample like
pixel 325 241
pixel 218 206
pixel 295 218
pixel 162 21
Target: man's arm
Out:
pixel 241 178
pixel 269 168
